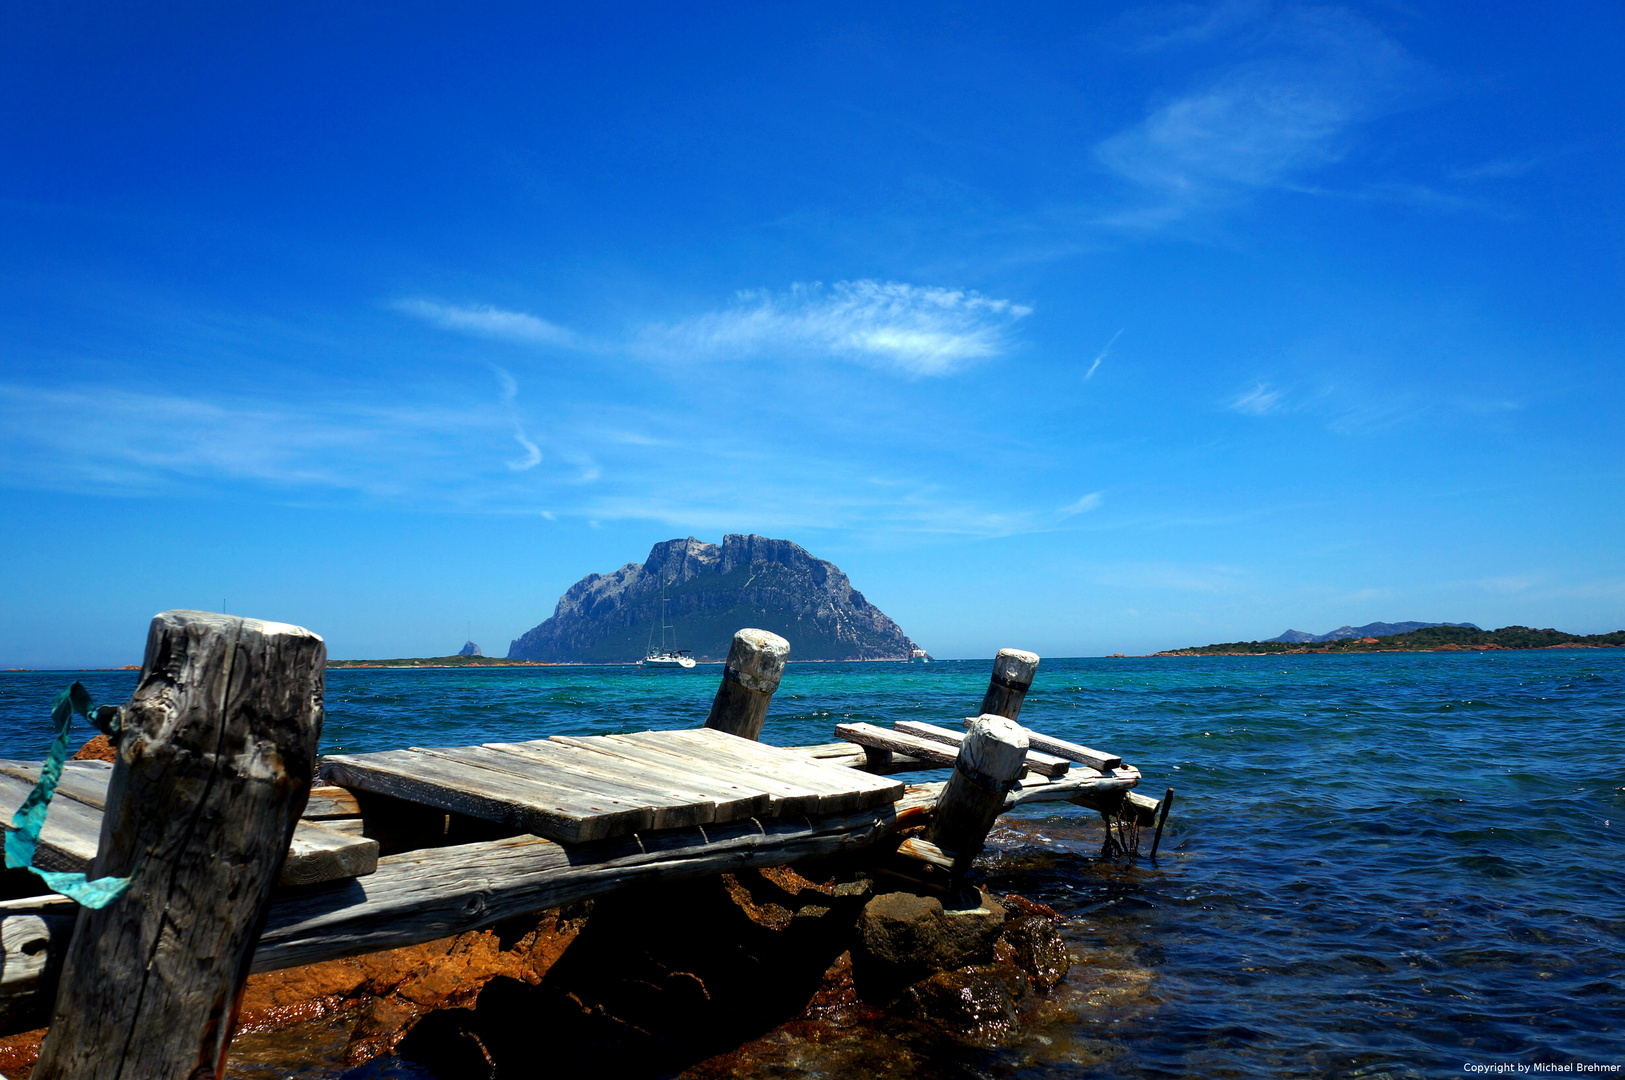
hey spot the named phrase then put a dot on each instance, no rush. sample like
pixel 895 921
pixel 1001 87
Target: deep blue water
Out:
pixel 1382 865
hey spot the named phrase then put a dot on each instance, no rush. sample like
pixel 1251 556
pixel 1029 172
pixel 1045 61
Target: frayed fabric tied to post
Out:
pixel 29 819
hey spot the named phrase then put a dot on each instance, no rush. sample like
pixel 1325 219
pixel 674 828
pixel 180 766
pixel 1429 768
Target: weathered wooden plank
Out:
pixel 737 753
pixel 331 801
pixel 780 798
pixel 436 892
pixel 989 762
pixel 72 831
pixel 852 756
pixel 214 765
pixel 319 853
pixel 348 826
pixel 312 857
pixel 871 790
pixel 485 793
pixel 755 663
pixel 34 935
pixel 939 755
pixel 664 811
pixel 727 803
pixel 786 797
pixel 1095 759
pixel 1041 763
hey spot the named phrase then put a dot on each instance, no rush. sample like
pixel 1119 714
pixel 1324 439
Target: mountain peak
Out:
pixel 711 591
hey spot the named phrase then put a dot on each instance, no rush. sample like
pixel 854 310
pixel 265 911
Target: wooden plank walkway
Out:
pixel 73 827
pixel 575 790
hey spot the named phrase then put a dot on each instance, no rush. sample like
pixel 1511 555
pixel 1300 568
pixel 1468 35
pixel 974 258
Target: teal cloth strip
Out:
pixel 26 823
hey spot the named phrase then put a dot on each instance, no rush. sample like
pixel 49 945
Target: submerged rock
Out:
pixel 981 1003
pixel 903 938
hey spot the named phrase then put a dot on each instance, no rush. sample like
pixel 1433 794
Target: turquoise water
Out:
pixel 1377 866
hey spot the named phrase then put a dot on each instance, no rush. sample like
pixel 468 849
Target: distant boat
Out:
pixel 918 656
pixel 664 657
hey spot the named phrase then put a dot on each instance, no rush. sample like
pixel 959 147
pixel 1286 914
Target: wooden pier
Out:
pixel 407 846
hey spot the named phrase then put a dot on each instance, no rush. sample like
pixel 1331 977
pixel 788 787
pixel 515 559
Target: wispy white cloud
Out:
pixel 1294 107
pixel 488 321
pixel 1083 505
pixel 917 330
pixel 510 395
pixel 1102 355
pixel 1259 401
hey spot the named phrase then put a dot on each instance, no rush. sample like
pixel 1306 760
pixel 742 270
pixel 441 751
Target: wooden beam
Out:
pixel 1037 761
pixel 214 766
pixel 1049 744
pixel 755 663
pixel 73 828
pixel 989 762
pixel 939 755
pixel 1012 677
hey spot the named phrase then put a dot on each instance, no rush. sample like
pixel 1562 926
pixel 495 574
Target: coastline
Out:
pixel 1366 652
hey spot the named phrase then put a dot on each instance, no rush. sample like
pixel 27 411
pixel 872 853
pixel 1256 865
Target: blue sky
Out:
pixel 1080 328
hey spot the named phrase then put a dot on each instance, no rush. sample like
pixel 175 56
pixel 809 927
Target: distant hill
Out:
pixel 1441 637
pixel 713 590
pixel 1375 629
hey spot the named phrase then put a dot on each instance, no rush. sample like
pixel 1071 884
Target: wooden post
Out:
pixel 214 767
pixel 755 662
pixel 1012 677
pixel 1162 818
pixel 989 761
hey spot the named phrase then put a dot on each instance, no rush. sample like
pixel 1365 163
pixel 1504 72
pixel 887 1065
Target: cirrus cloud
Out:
pixel 917 330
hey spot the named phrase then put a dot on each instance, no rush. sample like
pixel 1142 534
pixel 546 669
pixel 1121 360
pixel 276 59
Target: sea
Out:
pixel 1380 865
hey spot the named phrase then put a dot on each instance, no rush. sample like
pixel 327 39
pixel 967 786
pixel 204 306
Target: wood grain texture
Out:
pixel 755 663
pixel 989 763
pixel 436 892
pixel 34 936
pixel 784 799
pixel 1037 761
pixel 320 853
pixel 522 803
pixel 852 756
pixel 674 785
pixel 871 790
pixel 936 755
pixel 74 825
pixel 330 801
pixel 213 770
pixel 1049 744
pixel 1012 677
pixel 72 830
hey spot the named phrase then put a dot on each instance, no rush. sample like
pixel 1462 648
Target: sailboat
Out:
pixel 665 657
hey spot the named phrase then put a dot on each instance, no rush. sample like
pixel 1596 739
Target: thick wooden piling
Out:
pixel 214 768
pixel 1012 678
pixel 755 663
pixel 985 770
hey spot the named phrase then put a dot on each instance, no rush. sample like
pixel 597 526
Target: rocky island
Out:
pixel 1433 637
pixel 711 591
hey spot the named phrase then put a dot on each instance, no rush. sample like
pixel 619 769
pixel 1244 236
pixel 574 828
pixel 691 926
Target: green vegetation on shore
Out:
pixel 1432 639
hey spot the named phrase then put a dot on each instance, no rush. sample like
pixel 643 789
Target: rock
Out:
pixel 98 748
pixel 469 649
pixel 904 938
pixel 1031 943
pixel 712 591
pixel 664 977
pixel 449 1044
pixel 980 1003
pixel 390 991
